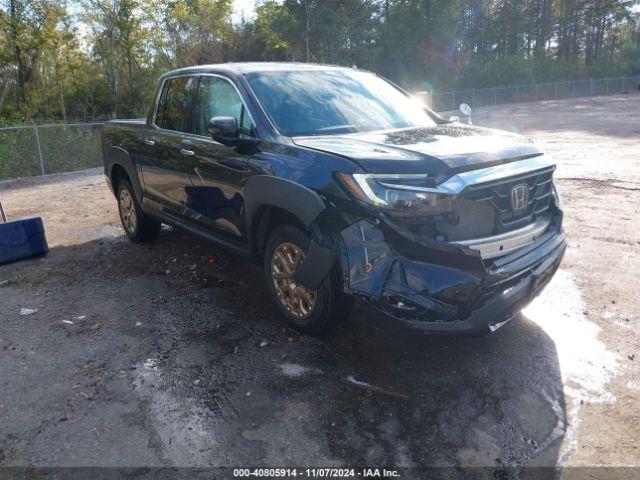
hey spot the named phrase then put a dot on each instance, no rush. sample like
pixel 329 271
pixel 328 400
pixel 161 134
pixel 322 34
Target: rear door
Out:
pixel 163 163
pixel 215 196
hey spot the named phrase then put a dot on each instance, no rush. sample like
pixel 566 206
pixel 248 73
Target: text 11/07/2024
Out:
pixel 316 472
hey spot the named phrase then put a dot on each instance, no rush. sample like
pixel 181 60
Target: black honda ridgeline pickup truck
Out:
pixel 344 187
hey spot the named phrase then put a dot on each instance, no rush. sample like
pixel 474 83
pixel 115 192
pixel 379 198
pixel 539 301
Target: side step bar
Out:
pixel 227 243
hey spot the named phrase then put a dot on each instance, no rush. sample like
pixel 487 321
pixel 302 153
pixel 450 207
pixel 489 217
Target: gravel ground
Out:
pixel 171 354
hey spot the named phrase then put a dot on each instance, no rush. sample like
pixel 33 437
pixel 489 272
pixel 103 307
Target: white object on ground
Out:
pixel 295 370
pixel 351 379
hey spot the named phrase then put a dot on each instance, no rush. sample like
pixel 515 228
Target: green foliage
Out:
pixel 67 149
pixel 18 153
pixel 98 59
pixel 271 37
pixel 63 149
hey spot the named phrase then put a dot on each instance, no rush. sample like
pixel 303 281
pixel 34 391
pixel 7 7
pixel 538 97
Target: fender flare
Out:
pixel 262 190
pixel 306 205
pixel 119 156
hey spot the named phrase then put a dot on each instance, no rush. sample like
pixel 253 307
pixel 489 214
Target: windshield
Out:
pixel 334 102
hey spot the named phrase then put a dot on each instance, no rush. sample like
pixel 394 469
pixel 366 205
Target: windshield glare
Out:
pixel 334 102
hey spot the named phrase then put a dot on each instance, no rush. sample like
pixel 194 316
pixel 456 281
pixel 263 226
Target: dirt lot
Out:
pixel 177 358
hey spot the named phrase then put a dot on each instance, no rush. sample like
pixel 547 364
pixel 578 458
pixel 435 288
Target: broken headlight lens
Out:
pixel 395 192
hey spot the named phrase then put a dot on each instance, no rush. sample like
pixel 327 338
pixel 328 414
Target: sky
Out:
pixel 248 7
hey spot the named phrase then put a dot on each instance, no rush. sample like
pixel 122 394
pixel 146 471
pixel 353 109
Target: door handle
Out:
pixel 150 141
pixel 188 153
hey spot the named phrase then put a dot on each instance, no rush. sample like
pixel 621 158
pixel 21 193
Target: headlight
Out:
pixel 395 192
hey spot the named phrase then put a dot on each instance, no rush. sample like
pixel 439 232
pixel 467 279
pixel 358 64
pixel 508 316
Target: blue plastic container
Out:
pixel 22 239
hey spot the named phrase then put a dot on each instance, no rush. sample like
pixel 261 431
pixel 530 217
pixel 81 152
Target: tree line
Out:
pixel 98 59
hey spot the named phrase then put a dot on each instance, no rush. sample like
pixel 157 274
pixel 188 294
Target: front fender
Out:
pixel 305 205
pixel 262 190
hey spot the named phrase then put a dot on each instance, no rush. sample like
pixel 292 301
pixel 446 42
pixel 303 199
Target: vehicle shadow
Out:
pixel 266 395
pixel 494 402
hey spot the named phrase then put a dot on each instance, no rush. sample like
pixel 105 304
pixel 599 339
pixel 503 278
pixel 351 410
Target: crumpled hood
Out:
pixel 442 149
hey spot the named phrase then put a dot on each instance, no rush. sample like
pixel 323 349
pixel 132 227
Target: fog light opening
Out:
pixel 396 301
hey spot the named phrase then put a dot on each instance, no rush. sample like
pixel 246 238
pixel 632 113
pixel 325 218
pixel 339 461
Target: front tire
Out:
pixel 138 226
pixel 311 311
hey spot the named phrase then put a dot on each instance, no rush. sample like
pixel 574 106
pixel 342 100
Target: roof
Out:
pixel 251 67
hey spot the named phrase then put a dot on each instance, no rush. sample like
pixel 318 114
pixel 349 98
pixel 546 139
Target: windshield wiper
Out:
pixel 337 127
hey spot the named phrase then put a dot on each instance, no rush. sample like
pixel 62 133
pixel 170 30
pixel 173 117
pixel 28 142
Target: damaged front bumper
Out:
pixel 439 287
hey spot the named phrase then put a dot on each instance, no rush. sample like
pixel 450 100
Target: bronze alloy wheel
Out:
pixel 127 211
pixel 296 299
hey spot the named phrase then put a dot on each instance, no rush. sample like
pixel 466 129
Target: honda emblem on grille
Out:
pixel 519 196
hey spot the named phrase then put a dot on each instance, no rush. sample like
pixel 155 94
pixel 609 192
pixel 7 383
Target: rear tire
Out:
pixel 316 311
pixel 138 226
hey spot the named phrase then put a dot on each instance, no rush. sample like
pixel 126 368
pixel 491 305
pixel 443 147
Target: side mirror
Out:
pixel 224 130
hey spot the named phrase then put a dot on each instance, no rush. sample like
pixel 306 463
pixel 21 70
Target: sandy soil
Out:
pixel 163 364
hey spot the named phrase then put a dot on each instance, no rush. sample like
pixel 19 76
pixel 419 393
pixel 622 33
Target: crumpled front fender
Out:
pixel 375 270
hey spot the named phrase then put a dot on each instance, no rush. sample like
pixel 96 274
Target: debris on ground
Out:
pixel 294 370
pixel 352 380
pixel 138 324
pixel 4 283
pixel 28 311
pixel 68 322
pixel 80 318
pixel 264 343
pixel 150 364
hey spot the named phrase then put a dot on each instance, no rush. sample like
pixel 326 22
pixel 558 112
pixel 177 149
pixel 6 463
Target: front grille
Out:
pixel 485 209
pixel 498 195
pixel 470 219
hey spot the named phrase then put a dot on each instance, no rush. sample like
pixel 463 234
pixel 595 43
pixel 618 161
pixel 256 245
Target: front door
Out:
pixel 218 173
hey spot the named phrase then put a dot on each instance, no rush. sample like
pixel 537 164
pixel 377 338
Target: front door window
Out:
pixel 217 97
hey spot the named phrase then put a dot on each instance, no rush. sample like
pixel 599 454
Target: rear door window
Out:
pixel 174 109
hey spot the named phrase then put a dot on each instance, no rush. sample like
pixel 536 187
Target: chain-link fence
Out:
pixel 479 97
pixel 32 150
